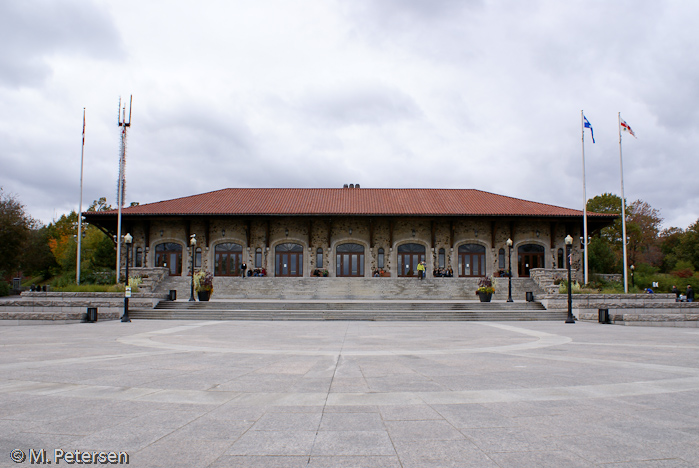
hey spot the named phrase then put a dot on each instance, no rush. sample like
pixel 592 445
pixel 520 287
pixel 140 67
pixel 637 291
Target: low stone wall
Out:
pixel 35 308
pixel 545 277
pixel 629 309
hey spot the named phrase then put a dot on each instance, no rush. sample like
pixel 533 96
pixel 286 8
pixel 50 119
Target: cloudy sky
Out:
pixel 317 93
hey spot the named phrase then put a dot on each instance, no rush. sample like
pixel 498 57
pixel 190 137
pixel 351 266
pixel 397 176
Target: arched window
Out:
pixel 561 263
pixel 409 255
pixel 471 260
pixel 501 259
pixel 258 257
pixel 139 257
pixel 529 256
pixel 289 260
pixel 380 259
pixel 227 259
pixel 441 258
pixel 349 260
pixel 197 258
pixel 169 255
pixel 319 258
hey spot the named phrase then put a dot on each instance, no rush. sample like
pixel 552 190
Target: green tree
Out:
pixel 602 257
pixel 99 205
pixel 687 248
pixel 37 259
pixel 669 240
pixel 608 203
pixel 15 228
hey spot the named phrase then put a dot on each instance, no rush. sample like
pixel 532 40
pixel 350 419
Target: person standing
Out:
pixel 690 293
pixel 243 267
pixel 420 270
pixel 676 292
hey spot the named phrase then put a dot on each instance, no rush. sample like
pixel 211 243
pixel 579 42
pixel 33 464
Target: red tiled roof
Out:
pixel 350 201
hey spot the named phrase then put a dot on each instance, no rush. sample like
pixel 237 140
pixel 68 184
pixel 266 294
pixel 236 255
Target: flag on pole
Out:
pixel 83 127
pixel 587 125
pixel 625 127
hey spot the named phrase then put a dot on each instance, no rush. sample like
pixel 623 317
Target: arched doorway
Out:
pixel 288 260
pixel 409 255
pixel 350 260
pixel 169 254
pixel 471 260
pixel 529 256
pixel 227 259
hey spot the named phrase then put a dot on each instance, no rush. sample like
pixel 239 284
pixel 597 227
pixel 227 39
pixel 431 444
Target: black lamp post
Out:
pixel 509 272
pixel 633 284
pixel 193 243
pixel 125 317
pixel 569 244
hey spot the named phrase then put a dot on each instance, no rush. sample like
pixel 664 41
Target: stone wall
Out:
pixel 71 307
pixel 629 309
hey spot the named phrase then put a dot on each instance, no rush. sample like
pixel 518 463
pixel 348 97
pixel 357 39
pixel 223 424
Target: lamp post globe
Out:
pixel 509 270
pixel 193 243
pixel 569 244
pixel 128 238
pixel 633 283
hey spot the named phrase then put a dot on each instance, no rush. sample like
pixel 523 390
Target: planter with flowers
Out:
pixel 204 284
pixel 486 288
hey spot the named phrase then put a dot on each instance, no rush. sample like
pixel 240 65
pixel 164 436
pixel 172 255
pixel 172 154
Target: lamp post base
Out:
pixel 125 316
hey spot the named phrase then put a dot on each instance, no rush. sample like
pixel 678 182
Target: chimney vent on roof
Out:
pixel 356 185
pixel 351 185
pixel 344 186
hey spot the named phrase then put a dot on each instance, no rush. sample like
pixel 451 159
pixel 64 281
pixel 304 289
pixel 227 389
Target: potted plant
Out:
pixel 486 288
pixel 204 284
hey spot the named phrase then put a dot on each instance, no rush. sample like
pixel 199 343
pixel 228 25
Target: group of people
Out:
pixel 443 273
pixel 688 296
pixel 256 272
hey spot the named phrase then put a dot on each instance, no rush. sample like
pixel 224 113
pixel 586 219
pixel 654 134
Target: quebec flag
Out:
pixel 586 123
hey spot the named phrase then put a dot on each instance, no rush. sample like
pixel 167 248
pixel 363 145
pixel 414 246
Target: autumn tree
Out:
pixel 643 229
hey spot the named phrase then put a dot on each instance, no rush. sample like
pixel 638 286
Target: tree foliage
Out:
pixel 15 228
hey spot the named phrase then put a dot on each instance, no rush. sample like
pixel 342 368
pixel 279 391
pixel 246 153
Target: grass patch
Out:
pixel 93 288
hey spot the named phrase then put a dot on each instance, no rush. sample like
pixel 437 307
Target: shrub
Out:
pixel 486 285
pixel 4 288
pixel 203 281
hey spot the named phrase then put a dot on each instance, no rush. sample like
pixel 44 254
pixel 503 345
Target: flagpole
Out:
pixel 623 211
pixel 582 127
pixel 80 208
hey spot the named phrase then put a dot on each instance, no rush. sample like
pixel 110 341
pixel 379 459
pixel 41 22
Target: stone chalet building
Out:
pixel 350 232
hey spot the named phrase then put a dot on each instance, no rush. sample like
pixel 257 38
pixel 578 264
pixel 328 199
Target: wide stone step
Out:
pixel 349 310
pixel 351 315
pixel 347 306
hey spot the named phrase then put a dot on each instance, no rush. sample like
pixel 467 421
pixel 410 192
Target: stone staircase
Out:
pixel 461 289
pixel 348 299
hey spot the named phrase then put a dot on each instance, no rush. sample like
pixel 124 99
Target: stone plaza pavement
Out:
pixel 353 394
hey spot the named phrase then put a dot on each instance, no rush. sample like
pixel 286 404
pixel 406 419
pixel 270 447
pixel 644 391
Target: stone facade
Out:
pixel 371 232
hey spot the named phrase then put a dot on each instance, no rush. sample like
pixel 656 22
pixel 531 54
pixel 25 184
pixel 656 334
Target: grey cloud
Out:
pixel 368 105
pixel 406 12
pixel 33 31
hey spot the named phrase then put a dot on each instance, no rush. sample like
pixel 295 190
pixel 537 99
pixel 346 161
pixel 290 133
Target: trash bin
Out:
pixel 603 315
pixel 173 295
pixel 91 314
pixel 530 296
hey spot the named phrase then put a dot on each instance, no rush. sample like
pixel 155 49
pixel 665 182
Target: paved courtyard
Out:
pixel 351 394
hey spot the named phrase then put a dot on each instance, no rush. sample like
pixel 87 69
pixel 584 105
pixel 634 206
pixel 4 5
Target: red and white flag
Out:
pixel 625 127
pixel 83 127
